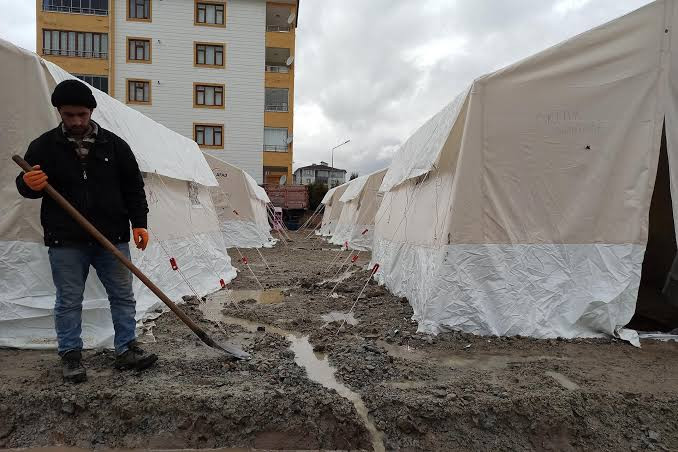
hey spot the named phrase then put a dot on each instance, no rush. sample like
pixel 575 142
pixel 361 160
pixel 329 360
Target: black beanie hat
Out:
pixel 73 92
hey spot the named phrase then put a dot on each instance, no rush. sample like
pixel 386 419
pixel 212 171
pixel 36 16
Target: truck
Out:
pixel 293 199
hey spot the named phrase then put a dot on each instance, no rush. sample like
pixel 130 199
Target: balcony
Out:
pixel 86 7
pixel 277 69
pixel 278 18
pixel 275 148
pixel 278 28
pixel 276 100
pixel 277 60
pixel 281 108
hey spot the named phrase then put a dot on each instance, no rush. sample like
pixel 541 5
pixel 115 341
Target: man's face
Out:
pixel 76 119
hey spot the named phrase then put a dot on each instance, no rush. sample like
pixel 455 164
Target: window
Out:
pixel 138 50
pixel 208 95
pixel 275 140
pixel 139 10
pixel 209 135
pixel 208 13
pixel 95 7
pixel 138 91
pixel 209 55
pixel 75 43
pixel 276 99
pixel 100 82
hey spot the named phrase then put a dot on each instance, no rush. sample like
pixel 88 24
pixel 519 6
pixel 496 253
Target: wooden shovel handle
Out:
pixel 94 232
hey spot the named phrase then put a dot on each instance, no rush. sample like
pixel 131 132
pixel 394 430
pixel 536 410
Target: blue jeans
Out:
pixel 70 267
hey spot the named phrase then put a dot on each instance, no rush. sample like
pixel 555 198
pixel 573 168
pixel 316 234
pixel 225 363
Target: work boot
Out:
pixel 135 358
pixel 72 368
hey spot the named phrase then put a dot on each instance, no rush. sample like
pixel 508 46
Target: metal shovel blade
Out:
pixel 232 352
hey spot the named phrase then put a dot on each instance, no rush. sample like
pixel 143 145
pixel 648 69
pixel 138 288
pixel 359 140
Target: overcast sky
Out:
pixel 373 71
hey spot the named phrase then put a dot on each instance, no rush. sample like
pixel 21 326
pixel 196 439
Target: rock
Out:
pixel 68 407
pixel 654 436
pixel 440 393
pixel 7 429
pixel 406 425
pixel 191 299
pixel 451 396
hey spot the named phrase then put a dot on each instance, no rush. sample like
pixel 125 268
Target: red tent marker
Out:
pixel 244 260
pixel 375 269
pixel 173 263
pixel 223 283
pixel 365 231
pixel 355 258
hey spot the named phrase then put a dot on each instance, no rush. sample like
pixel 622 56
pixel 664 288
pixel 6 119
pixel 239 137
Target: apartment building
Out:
pixel 320 173
pixel 218 71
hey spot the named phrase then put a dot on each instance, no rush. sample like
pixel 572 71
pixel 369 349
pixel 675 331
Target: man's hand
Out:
pixel 35 179
pixel 140 237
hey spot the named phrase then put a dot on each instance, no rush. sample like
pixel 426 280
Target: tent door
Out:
pixel 657 307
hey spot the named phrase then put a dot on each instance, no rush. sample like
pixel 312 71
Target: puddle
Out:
pixel 467 360
pixel 266 296
pixel 317 366
pixel 339 317
pixel 563 380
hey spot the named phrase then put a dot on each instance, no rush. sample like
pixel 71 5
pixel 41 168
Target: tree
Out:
pixel 353 176
pixel 316 192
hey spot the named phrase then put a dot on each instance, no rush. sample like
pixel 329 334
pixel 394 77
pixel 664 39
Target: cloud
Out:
pixel 375 71
pixel 17 22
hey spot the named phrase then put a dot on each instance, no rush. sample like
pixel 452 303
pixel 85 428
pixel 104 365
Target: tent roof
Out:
pixel 157 148
pixel 356 186
pixel 328 195
pixel 419 154
pixel 257 191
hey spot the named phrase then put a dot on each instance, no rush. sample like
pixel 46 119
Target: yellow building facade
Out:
pixel 82 40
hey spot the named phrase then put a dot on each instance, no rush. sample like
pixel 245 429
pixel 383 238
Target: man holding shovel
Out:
pixel 96 171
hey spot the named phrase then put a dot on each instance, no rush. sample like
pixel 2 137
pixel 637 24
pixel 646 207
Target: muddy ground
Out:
pixel 373 383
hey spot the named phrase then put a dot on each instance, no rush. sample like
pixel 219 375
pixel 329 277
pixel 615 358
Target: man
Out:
pixel 96 171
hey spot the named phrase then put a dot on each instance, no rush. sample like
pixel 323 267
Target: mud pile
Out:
pixel 321 378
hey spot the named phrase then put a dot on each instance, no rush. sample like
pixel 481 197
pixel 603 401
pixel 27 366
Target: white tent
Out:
pixel 241 206
pixel 361 200
pixel 181 219
pixel 522 207
pixel 332 211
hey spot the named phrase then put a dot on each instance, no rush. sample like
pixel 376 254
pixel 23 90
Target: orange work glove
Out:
pixel 140 238
pixel 35 179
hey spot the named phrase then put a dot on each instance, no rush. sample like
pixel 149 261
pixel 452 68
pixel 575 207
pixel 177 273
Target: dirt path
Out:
pixel 374 383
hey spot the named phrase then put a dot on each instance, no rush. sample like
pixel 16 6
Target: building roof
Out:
pixel 320 167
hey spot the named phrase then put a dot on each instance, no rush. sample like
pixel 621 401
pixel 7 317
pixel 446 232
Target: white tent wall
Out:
pixel 241 206
pixel 346 222
pixel 344 225
pixel 332 211
pixel 327 212
pixel 182 224
pixel 370 199
pixel 360 203
pixel 532 218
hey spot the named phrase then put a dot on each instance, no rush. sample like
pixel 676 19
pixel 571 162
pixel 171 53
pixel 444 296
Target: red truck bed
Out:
pixel 289 197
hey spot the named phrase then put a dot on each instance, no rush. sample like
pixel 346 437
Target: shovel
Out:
pixel 232 352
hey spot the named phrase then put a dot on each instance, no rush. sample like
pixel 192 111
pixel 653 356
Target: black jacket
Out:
pixel 107 188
